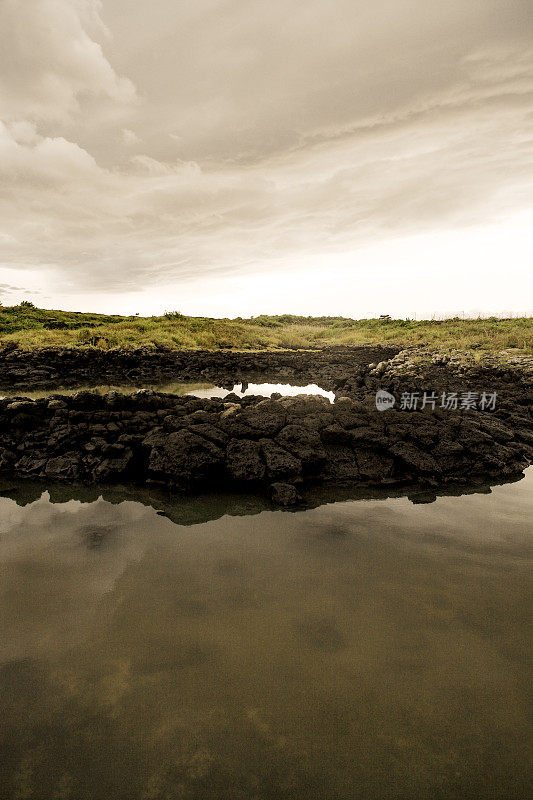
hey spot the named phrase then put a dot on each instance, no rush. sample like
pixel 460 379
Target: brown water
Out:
pixel 363 649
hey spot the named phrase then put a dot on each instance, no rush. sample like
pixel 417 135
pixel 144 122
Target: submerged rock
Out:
pixel 285 495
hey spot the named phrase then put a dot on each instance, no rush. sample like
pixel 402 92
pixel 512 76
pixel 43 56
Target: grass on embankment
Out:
pixel 30 327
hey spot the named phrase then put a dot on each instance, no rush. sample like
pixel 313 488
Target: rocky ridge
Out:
pixel 280 444
pixel 70 367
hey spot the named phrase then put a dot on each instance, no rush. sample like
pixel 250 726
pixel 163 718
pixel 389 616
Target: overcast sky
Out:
pixel 234 157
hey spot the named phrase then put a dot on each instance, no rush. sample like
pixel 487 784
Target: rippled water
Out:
pixel 362 649
pixel 180 388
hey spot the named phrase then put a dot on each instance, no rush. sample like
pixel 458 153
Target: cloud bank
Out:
pixel 181 143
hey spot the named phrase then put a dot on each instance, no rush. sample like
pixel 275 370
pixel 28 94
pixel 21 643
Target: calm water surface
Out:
pixel 181 388
pixel 363 649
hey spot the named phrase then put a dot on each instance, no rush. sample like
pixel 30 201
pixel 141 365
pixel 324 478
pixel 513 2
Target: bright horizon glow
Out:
pixel 468 272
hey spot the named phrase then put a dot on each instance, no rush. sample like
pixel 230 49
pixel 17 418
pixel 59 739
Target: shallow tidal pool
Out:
pixel 180 388
pixel 362 649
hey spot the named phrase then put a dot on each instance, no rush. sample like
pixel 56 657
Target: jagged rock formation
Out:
pixel 283 443
pixel 280 444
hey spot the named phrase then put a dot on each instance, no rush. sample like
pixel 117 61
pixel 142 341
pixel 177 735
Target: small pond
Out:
pixel 181 388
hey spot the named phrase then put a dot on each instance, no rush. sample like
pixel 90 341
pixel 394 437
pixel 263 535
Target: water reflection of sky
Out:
pixel 364 649
pixel 182 388
pixel 264 389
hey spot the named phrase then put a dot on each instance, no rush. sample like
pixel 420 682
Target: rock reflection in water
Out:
pixel 265 656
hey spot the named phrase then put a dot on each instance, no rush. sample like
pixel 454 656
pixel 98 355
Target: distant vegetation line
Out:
pixel 28 326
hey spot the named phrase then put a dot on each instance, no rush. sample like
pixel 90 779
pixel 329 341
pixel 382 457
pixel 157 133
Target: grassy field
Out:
pixel 28 327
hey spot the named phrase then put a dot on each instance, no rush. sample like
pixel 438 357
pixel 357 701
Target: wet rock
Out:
pixel 285 494
pixel 31 465
pixel 82 366
pixel 278 462
pixel 335 434
pixel 374 466
pixel 208 431
pixel 367 436
pixel 341 464
pixel 264 419
pixel 183 458
pixel 414 458
pixel 244 462
pixel 63 467
pixel 112 469
pixel 304 444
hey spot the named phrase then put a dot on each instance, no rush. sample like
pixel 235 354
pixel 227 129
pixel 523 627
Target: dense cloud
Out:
pixel 186 140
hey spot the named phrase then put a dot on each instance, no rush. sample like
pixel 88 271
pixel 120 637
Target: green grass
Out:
pixel 29 327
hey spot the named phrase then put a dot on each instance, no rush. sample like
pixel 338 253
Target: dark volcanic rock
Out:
pixel 185 441
pixel 336 434
pixel 341 464
pixel 184 458
pixel 66 467
pixel 279 463
pixel 243 460
pixel 112 469
pixel 285 495
pixel 53 366
pixel 414 458
pixel 304 444
pixel 374 466
pixel 264 419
